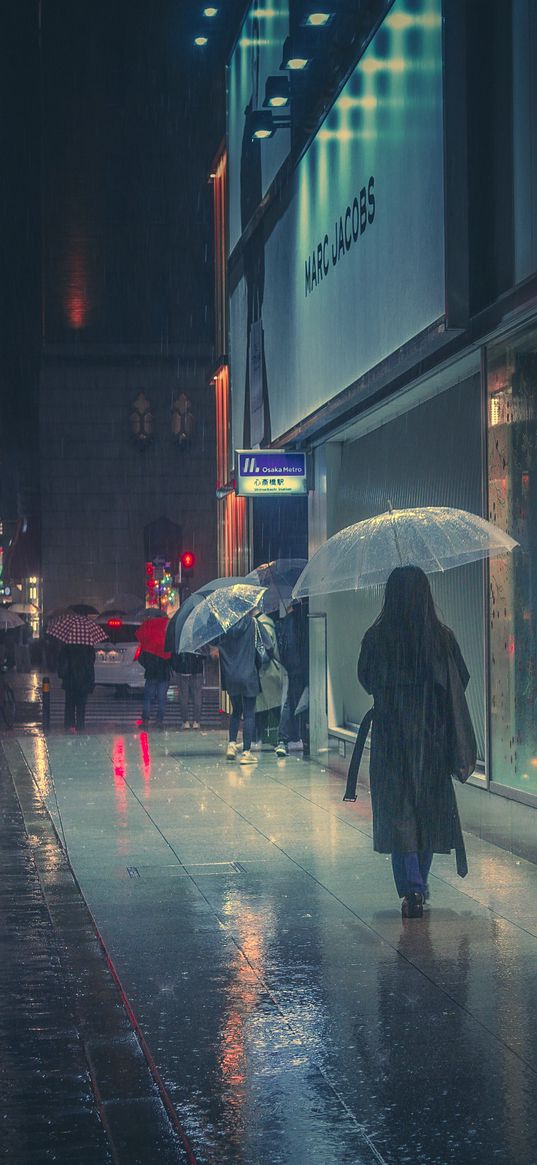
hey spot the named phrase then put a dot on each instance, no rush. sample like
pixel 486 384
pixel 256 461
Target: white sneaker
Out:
pixel 248 758
pixel 195 724
pixel 231 750
pixel 295 746
pixel 186 724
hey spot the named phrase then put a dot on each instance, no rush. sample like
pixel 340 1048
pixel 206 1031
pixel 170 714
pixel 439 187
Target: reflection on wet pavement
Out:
pixel 292 1015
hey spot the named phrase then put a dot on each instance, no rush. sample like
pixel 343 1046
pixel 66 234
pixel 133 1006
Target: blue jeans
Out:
pixel 242 706
pixel 411 871
pixel 154 688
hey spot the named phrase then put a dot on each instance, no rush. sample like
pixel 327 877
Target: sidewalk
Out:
pixel 289 1015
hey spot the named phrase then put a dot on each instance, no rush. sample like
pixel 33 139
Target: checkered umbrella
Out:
pixel 71 628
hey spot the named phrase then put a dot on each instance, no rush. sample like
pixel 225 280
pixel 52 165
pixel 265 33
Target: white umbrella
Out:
pixel 24 608
pixel 436 538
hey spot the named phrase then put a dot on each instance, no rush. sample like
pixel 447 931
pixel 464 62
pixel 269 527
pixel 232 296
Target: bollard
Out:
pixel 45 702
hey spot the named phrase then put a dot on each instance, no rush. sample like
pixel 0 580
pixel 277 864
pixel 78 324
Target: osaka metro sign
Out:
pixel 262 472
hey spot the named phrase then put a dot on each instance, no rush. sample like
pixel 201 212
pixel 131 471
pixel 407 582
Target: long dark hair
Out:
pixel 408 622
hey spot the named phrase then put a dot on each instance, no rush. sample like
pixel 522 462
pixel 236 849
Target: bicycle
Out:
pixel 7 702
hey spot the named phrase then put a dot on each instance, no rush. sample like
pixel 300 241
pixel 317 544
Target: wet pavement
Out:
pixel 287 1012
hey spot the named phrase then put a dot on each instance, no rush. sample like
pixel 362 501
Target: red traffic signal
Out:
pixel 188 560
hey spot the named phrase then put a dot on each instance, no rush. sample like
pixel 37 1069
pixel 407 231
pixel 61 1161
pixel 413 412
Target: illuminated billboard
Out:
pixel 355 266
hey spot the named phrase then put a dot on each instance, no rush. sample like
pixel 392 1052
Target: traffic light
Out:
pixel 188 561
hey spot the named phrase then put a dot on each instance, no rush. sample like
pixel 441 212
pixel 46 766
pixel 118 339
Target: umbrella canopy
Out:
pixel 152 637
pixel 82 609
pixel 218 613
pixel 436 538
pixel 178 620
pixel 279 577
pixel 71 628
pixel 24 608
pixel 123 602
pixel 8 620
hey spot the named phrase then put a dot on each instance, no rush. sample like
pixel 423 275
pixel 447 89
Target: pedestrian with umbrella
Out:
pixel 155 661
pixel 226 618
pixel 78 636
pixel 411 664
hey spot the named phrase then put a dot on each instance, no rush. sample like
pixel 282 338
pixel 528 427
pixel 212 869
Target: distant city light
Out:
pixel 200 40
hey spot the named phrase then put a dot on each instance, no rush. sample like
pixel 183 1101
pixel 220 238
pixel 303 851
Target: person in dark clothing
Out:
pixel 240 679
pixel 189 668
pixel 404 664
pixel 157 679
pixel 292 634
pixel 76 669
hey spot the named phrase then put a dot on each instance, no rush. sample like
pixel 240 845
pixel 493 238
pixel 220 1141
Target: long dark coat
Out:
pixel 76 668
pixel 413 799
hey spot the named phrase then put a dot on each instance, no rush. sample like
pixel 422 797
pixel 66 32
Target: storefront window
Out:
pixel 512 474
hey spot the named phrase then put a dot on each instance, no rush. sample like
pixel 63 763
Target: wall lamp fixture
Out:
pixel 277 92
pixel 296 54
pixel 263 124
pixel 317 15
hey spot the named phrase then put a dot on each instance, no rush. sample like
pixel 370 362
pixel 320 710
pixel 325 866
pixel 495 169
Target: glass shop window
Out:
pixel 512 483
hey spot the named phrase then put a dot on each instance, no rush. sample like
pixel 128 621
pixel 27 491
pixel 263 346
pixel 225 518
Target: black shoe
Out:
pixel 412 905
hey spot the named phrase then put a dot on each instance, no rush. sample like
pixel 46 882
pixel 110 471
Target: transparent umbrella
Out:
pixel 178 620
pixel 218 613
pixel 436 538
pixel 8 620
pixel 279 577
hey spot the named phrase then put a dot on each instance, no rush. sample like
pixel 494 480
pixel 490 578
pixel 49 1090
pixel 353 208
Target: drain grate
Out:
pixel 133 871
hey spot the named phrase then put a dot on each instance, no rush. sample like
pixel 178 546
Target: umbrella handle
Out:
pixel 395 534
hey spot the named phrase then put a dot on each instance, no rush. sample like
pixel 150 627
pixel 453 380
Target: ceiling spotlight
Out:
pixel 277 92
pixel 295 56
pixel 210 11
pixel 201 40
pixel 317 16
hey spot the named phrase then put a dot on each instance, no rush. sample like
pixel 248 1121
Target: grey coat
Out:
pixel 413 799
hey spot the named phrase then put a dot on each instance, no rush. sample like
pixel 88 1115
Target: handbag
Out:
pixel 263 655
pixel 461 740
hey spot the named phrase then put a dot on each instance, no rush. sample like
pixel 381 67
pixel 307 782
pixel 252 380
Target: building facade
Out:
pixel 383 316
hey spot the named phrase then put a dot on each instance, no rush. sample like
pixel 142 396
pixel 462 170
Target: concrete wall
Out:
pixel 99 490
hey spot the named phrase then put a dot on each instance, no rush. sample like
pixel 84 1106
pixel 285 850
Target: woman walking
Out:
pixel 405 662
pixel 240 679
